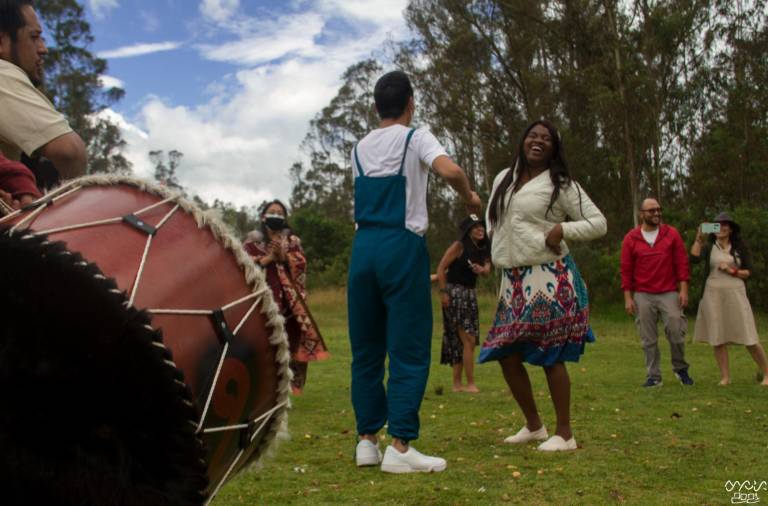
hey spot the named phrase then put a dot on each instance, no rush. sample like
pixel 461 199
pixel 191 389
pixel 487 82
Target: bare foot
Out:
pixel 472 388
pixel 458 388
pixel 724 382
pixel 764 382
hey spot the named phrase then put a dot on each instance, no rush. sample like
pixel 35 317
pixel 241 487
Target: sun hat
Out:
pixel 724 217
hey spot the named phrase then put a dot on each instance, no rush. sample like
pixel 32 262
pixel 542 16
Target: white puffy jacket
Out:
pixel 519 238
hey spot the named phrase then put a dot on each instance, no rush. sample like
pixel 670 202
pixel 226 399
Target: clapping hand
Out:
pixel 277 250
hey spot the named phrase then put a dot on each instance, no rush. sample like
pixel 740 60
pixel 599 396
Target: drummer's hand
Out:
pixel 24 200
pixel 445 300
pixel 477 269
pixel 6 197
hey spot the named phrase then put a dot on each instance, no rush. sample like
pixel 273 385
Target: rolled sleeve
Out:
pixel 29 120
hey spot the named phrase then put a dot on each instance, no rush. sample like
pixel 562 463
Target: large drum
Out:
pixel 142 358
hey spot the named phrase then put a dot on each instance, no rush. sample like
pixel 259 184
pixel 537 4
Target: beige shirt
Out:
pixel 28 119
pixel 519 239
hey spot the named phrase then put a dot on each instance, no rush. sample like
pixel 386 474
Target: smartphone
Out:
pixel 710 228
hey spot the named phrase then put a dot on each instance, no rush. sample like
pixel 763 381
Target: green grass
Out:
pixel 670 445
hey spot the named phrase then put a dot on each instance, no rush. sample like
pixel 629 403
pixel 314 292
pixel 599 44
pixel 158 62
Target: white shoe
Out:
pixel 524 435
pixel 557 444
pixel 367 453
pixel 411 461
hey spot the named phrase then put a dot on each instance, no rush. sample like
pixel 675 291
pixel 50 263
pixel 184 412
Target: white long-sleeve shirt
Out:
pixel 519 238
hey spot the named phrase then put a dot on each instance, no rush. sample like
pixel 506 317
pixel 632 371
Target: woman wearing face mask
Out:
pixel 279 253
pixel 542 316
pixel 725 316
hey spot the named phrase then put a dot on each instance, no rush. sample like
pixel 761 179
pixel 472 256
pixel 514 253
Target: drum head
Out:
pixel 94 410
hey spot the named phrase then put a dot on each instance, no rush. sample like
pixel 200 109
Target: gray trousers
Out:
pixel 648 308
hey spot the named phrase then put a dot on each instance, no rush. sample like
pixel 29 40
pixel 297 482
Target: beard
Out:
pixel 33 77
pixel 650 221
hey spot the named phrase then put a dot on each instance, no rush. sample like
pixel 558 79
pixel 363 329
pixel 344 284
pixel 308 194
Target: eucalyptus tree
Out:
pixel 73 82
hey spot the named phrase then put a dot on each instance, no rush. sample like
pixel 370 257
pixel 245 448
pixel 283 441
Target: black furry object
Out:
pixel 90 413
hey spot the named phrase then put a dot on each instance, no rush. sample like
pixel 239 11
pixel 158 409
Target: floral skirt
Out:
pixel 543 314
pixel 461 314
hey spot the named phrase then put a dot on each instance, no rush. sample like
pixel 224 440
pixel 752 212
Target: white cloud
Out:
pixel 288 35
pixel 139 49
pixel 236 148
pixel 100 8
pixel 110 82
pixel 376 11
pixel 239 144
pixel 219 10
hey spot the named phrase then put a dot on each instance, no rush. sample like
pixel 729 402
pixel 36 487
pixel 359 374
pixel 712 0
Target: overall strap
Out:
pixel 357 163
pixel 405 151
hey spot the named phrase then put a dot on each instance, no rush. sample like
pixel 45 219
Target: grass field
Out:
pixel 669 445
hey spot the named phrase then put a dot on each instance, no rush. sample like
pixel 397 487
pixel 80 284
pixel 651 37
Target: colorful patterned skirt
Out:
pixel 461 314
pixel 543 314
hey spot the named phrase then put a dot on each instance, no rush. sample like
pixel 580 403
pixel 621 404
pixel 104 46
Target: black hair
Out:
pixel 739 248
pixel 558 173
pixel 263 211
pixel 11 17
pixel 480 249
pixel 392 92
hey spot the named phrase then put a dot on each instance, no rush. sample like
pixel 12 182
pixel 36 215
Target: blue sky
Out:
pixel 232 84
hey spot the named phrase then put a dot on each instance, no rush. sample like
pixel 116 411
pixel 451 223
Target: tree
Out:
pixel 327 183
pixel 165 168
pixel 72 82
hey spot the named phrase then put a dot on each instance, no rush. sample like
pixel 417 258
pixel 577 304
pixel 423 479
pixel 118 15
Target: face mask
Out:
pixel 274 221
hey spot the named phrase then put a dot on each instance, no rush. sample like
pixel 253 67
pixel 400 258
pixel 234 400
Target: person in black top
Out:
pixel 457 273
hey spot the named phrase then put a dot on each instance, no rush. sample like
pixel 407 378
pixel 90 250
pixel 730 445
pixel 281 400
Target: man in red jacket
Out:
pixel 654 277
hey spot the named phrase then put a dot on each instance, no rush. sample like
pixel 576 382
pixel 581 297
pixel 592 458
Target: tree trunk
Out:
pixel 629 148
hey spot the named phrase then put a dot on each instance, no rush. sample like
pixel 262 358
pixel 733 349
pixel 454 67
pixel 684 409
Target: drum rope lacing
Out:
pixel 64 191
pixel 266 417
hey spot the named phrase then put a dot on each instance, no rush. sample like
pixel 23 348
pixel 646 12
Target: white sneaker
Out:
pixel 524 435
pixel 367 453
pixel 557 444
pixel 411 461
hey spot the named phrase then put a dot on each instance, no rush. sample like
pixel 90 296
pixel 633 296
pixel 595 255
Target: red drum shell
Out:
pixel 192 264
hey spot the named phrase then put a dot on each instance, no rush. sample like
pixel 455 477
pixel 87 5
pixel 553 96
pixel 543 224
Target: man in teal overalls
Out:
pixel 389 294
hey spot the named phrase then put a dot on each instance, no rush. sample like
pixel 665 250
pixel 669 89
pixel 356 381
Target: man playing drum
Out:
pixel 29 122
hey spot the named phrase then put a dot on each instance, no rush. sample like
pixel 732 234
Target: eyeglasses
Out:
pixel 654 210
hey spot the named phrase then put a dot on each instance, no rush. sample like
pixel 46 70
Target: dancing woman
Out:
pixel 542 314
pixel 457 273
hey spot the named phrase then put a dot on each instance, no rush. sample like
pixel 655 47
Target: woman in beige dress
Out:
pixel 725 315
